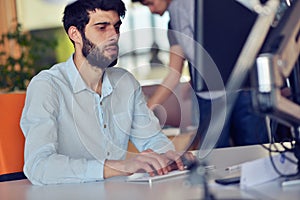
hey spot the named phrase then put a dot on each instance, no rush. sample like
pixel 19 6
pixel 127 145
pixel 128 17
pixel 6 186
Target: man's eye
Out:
pixel 102 27
pixel 117 28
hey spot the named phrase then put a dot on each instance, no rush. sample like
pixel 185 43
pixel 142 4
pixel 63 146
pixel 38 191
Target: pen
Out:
pixel 210 167
pixel 233 168
pixel 290 183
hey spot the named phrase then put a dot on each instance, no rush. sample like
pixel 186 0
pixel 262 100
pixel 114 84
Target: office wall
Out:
pixel 40 14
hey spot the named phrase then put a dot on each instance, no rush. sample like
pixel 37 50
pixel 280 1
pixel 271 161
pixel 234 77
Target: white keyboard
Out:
pixel 145 177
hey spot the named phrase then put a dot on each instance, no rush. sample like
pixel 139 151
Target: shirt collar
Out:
pixel 78 83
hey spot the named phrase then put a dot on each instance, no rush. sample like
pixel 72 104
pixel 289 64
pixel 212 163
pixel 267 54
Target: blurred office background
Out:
pixel 142 34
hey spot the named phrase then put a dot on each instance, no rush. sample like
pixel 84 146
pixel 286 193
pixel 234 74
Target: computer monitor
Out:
pixel 273 53
pixel 223 28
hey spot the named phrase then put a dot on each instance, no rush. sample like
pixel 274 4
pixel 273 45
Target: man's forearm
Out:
pixel 114 168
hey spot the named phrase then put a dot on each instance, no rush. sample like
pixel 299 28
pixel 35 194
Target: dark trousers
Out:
pixel 243 126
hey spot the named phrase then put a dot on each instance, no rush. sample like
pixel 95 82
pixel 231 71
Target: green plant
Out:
pixel 17 66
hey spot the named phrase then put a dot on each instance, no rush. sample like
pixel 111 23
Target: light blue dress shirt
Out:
pixel 70 130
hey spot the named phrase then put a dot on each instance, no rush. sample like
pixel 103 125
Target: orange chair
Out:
pixel 11 137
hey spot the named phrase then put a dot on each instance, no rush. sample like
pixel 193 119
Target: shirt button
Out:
pixel 107 153
pixel 101 103
pixel 104 125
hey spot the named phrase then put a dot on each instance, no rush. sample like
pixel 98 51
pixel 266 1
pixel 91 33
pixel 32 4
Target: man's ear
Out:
pixel 74 34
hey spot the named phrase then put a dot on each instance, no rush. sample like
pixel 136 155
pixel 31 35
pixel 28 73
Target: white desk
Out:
pixel 174 188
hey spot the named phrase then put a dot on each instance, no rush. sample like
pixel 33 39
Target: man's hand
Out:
pixel 179 161
pixel 147 161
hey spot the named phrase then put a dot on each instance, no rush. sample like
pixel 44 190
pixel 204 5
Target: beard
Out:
pixel 95 55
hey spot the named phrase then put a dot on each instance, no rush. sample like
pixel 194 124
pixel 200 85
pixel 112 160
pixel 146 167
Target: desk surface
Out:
pixel 173 188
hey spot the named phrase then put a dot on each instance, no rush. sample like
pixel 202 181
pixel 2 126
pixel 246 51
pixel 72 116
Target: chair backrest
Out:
pixel 11 137
pixel 176 111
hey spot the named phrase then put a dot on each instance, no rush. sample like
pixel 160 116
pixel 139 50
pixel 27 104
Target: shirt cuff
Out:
pixel 94 170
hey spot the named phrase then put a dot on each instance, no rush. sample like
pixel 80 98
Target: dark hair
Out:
pixel 76 14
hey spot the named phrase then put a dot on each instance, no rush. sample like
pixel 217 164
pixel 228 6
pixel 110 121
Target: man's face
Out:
pixel 157 6
pixel 100 39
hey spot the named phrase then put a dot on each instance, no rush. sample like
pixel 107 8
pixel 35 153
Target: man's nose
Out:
pixel 152 9
pixel 113 34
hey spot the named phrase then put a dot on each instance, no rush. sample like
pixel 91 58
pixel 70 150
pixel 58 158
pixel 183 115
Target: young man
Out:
pixel 224 35
pixel 79 115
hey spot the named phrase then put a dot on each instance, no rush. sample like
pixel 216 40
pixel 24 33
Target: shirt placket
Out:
pixel 103 125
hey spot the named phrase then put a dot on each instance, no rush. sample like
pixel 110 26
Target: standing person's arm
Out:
pixel 170 82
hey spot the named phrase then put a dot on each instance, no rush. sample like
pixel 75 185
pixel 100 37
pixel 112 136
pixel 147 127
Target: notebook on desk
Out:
pixel 144 177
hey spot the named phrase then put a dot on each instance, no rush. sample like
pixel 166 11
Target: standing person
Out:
pixel 244 127
pixel 80 114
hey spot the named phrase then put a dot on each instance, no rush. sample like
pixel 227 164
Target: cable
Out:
pixel 273 148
